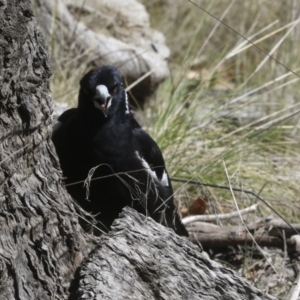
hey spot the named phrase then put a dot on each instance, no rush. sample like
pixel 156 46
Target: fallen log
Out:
pixel 266 232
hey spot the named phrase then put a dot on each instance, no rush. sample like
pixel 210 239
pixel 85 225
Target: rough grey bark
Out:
pixel 41 243
pixel 140 259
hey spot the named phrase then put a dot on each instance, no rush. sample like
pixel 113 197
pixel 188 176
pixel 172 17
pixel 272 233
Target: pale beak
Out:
pixel 102 99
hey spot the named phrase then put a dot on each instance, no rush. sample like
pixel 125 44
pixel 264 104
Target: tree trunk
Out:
pixel 42 243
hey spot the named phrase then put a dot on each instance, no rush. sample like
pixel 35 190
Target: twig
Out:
pixel 214 217
pixel 139 80
pixel 14 153
pixel 294 292
pixel 242 220
pixel 190 181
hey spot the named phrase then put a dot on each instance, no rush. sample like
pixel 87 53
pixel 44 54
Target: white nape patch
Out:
pixel 164 179
pixel 126 105
pixel 146 166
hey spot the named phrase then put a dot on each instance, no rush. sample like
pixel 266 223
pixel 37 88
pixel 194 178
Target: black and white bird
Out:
pixel 128 169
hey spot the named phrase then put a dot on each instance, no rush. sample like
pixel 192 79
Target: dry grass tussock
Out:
pixel 229 113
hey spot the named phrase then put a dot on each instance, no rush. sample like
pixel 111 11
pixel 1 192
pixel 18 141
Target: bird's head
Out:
pixel 102 89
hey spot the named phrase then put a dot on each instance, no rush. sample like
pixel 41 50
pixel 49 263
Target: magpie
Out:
pixel 100 140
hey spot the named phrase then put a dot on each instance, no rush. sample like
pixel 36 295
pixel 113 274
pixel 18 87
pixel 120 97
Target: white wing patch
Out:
pixel 164 179
pixel 146 166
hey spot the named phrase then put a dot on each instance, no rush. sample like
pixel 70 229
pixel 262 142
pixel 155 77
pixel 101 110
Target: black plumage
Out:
pixel 102 133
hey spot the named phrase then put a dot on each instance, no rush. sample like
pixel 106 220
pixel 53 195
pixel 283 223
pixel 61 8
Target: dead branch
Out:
pixel 216 217
pixel 266 232
pixel 200 183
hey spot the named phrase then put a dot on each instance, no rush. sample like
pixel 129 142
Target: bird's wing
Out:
pixel 149 154
pixel 152 160
pixel 67 115
pixel 64 118
pixel 58 128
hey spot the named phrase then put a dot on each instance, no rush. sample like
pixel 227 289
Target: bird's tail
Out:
pixel 174 221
